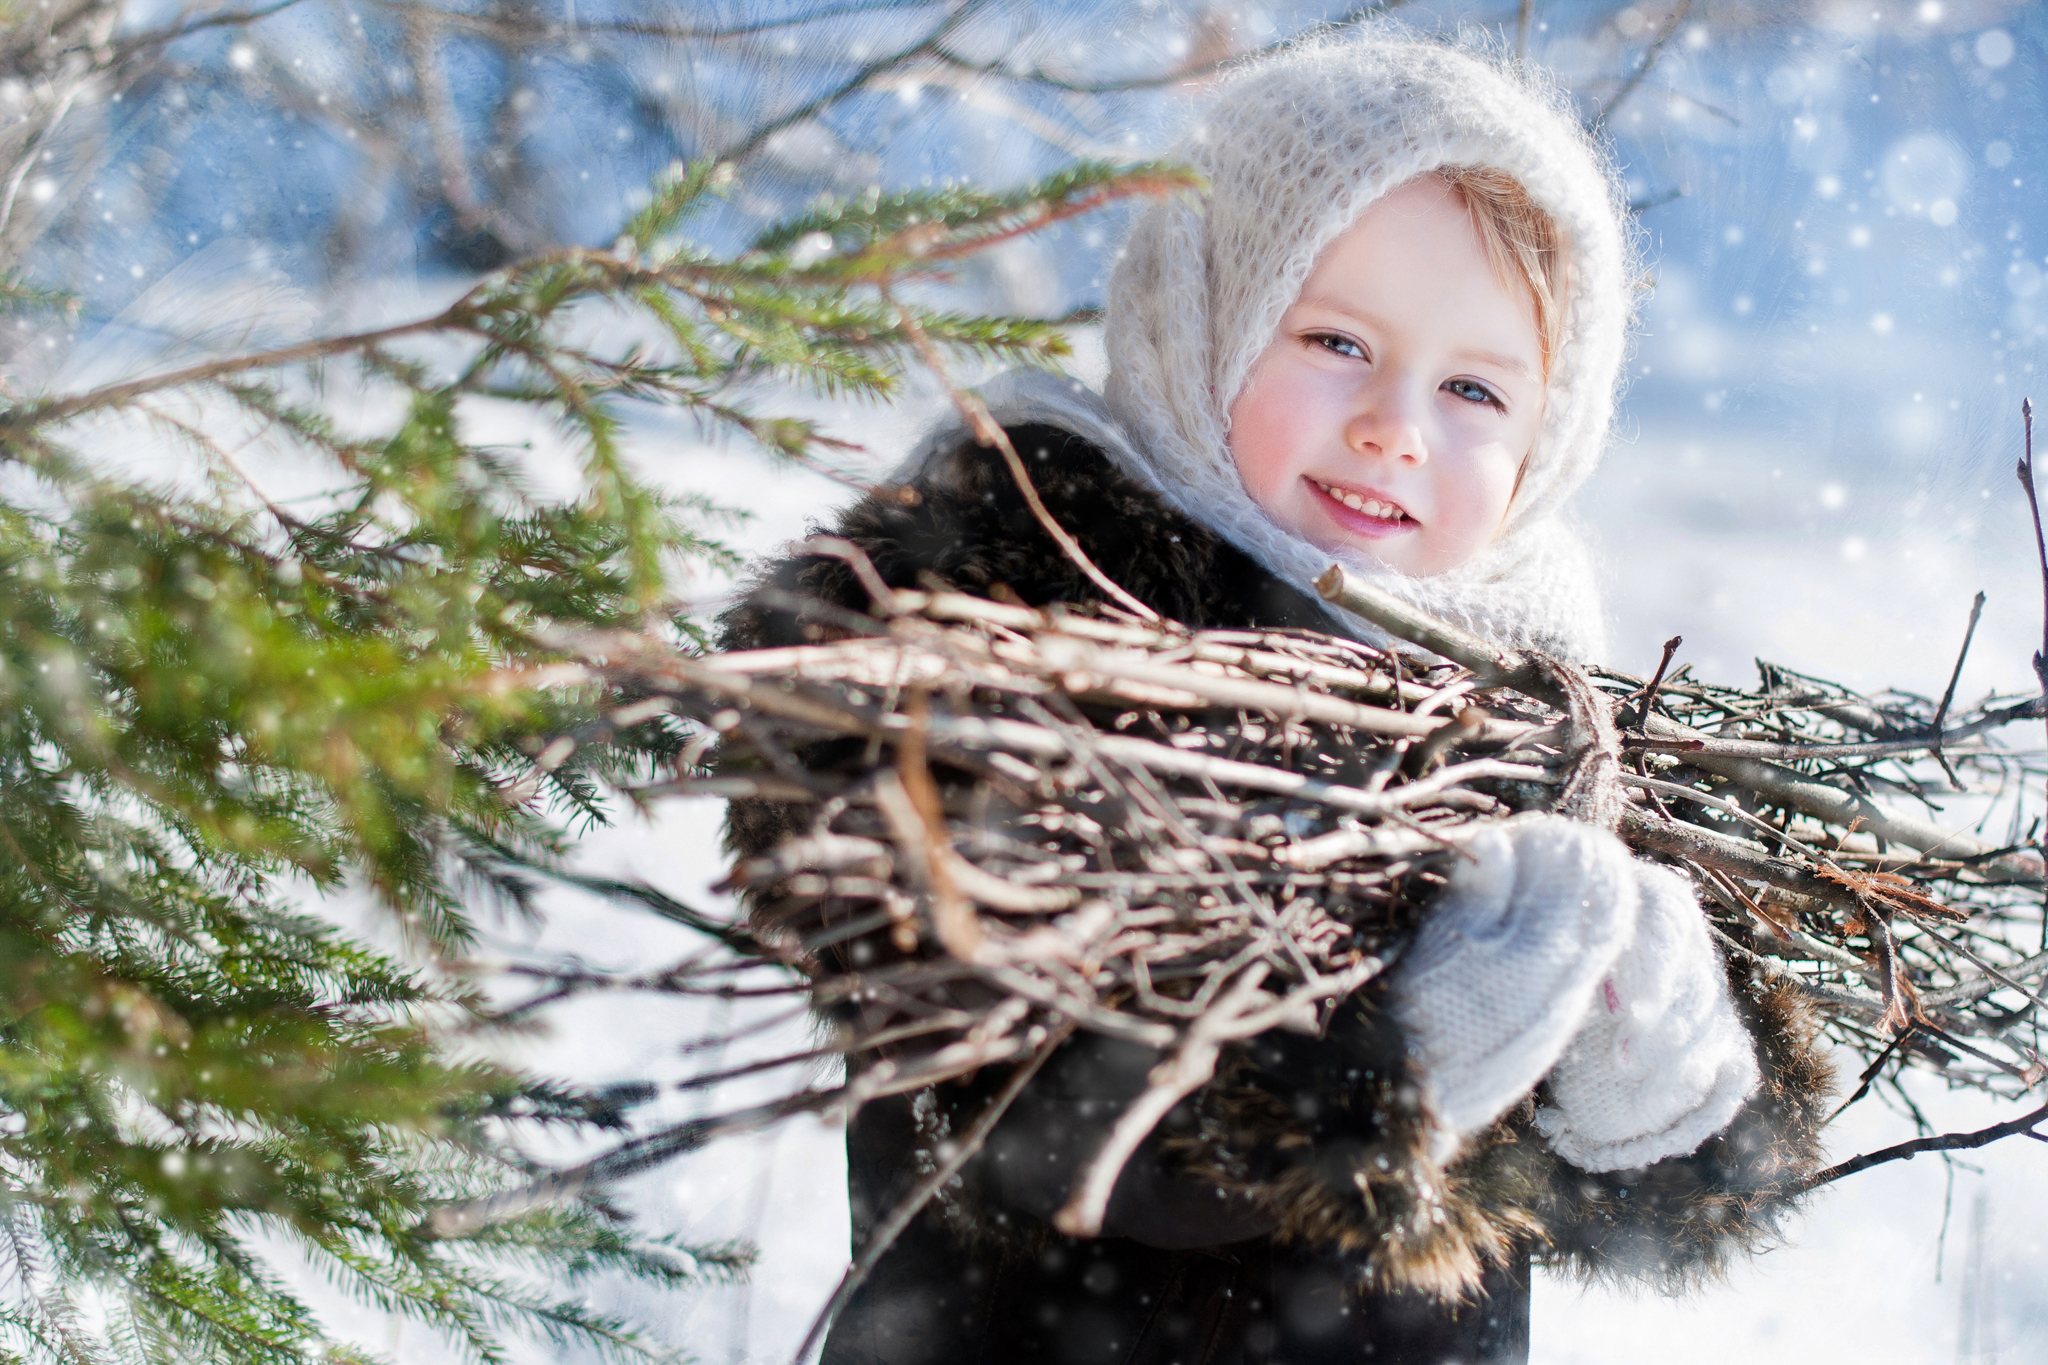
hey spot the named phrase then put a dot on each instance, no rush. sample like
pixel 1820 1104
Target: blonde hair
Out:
pixel 1523 243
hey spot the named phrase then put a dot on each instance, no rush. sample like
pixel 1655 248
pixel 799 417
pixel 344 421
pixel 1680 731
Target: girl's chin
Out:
pixel 1357 552
pixel 1389 543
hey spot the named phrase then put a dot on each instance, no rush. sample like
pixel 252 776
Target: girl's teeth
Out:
pixel 1372 507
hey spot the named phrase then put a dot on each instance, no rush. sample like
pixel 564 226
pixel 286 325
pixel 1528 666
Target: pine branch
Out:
pixel 211 700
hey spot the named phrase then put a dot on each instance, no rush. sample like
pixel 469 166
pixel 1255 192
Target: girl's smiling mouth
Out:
pixel 1365 513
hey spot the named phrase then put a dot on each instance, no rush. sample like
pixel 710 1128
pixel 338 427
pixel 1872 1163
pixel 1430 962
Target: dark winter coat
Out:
pixel 1286 1214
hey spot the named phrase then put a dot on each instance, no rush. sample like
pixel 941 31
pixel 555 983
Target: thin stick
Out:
pixel 1990 971
pixel 1722 804
pixel 1522 18
pixel 1000 68
pixel 758 136
pixel 2026 472
pixel 1785 753
pixel 1946 1142
pixel 465 1219
pixel 1969 633
pixel 1283 700
pixel 890 1228
pixel 881 597
pixel 538 31
pixel 1878 929
pixel 1170 1082
pixel 1869 1076
pixel 1648 692
pixel 1495 666
pixel 988 433
pixel 1636 78
pixel 29 155
pixel 641 1153
pixel 1941 711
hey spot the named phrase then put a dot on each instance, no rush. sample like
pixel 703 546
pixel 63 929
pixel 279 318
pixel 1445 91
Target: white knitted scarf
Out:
pixel 1295 147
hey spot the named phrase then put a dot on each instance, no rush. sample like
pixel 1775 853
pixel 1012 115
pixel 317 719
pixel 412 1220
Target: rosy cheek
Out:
pixel 1262 438
pixel 1491 493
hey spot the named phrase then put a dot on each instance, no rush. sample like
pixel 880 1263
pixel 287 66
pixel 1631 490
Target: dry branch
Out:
pixel 1944 1142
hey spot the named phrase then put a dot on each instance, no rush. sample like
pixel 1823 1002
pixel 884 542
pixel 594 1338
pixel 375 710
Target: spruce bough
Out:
pixel 214 705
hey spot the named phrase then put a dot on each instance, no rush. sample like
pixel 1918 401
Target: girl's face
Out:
pixel 1392 411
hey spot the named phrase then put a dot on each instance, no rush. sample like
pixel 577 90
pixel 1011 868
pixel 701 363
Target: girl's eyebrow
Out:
pixel 1500 358
pixel 1506 362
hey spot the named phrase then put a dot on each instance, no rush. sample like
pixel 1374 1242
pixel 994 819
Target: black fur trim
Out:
pixel 969 527
pixel 1332 1137
pixel 1685 1220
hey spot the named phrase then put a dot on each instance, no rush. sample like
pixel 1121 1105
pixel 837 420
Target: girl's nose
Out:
pixel 1387 423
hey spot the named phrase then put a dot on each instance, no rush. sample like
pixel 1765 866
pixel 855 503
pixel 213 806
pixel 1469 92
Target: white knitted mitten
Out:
pixel 1503 970
pixel 1663 1062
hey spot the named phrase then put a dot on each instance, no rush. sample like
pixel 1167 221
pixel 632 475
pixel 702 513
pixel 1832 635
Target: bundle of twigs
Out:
pixel 1005 823
pixel 1002 824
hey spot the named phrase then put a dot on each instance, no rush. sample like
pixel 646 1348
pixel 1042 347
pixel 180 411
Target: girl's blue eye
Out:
pixel 1474 392
pixel 1338 345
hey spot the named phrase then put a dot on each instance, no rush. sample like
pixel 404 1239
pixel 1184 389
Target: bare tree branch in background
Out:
pixel 925 46
pixel 1635 80
pixel 466 137
pixel 537 29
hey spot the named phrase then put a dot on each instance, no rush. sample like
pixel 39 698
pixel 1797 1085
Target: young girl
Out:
pixel 1388 334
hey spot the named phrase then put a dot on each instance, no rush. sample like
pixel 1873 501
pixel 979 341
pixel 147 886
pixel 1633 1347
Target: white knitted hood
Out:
pixel 1295 148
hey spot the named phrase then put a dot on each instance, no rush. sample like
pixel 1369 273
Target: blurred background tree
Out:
pixel 1846 183
pixel 363 143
